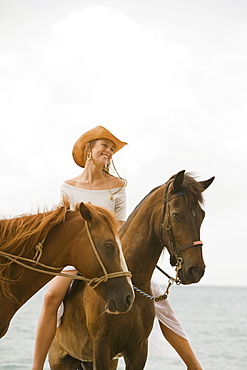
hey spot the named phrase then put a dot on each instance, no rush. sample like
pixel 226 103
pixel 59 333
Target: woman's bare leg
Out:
pixel 183 348
pixel 113 364
pixel 46 328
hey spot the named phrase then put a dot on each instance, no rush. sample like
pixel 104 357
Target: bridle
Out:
pixel 166 223
pixel 94 282
pixel 176 259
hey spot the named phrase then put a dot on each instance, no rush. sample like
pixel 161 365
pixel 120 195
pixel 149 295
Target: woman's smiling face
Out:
pixel 102 151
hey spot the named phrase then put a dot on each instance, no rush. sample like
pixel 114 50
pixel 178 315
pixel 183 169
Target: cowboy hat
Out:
pixel 98 132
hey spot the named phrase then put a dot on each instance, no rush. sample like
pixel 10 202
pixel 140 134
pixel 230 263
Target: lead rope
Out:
pixel 171 281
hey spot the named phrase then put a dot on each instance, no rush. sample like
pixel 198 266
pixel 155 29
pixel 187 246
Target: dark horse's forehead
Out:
pixel 192 190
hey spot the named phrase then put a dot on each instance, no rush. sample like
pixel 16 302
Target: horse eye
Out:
pixel 109 245
pixel 176 216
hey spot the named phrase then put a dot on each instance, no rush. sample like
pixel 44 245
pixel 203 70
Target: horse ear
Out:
pixel 177 183
pixel 205 184
pixel 85 212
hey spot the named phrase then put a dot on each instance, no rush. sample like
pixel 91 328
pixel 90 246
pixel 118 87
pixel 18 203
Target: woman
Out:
pixel 93 151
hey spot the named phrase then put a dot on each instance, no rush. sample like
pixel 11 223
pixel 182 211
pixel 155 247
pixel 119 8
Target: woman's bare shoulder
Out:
pixel 72 182
pixel 116 182
pixel 69 182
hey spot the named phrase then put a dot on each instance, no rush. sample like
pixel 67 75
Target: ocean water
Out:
pixel 215 319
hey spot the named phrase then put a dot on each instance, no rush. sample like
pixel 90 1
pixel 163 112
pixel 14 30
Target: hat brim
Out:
pixel 99 132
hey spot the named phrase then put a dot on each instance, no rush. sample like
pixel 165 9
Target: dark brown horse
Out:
pixel 86 238
pixel 169 216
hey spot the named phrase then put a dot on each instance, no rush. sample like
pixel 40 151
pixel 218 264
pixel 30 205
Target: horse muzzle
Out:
pixel 191 275
pixel 115 306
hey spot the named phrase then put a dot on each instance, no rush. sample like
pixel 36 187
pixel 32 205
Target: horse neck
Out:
pixel 61 241
pixel 140 243
pixel 55 253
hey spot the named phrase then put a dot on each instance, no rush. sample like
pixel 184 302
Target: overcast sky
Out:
pixel 168 77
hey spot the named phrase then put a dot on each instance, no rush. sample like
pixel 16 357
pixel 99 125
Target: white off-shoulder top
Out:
pixel 113 200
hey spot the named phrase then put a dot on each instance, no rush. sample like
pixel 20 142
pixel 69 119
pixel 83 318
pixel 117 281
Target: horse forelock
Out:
pixel 192 189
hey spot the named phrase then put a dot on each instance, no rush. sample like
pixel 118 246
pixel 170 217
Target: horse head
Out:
pixel 105 267
pixel 181 219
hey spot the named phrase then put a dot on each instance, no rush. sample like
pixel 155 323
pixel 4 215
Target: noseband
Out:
pixel 165 222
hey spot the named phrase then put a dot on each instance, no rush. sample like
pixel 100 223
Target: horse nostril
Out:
pixel 129 300
pixel 112 306
pixel 195 272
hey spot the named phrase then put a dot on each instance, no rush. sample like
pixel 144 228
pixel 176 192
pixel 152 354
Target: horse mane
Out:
pixel 192 191
pixel 20 235
pixel 100 213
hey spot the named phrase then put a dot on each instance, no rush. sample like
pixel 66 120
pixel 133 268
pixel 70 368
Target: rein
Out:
pixel 94 282
pixel 171 280
pixel 159 298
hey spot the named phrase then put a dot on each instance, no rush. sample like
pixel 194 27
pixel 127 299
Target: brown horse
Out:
pixel 86 238
pixel 169 216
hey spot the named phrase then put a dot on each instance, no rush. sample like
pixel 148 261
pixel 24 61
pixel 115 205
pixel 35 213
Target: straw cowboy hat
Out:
pixel 98 132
